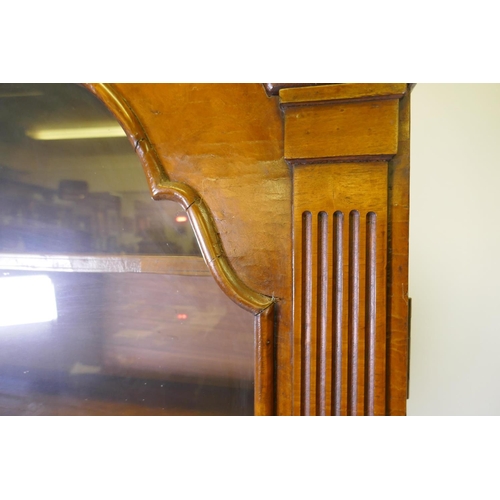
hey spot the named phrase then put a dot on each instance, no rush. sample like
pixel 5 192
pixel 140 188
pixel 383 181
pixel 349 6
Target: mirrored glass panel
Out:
pixel 71 183
pixel 122 344
pixel 107 307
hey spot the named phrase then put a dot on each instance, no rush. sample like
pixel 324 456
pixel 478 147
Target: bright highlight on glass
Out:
pixel 27 299
pixel 181 218
pixel 76 133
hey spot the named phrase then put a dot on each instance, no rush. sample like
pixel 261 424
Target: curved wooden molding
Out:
pixel 162 188
pixel 199 214
pixel 273 89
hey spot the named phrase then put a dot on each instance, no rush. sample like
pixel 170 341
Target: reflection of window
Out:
pixel 140 327
pixel 27 299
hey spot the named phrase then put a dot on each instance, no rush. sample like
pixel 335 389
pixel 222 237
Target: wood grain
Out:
pixel 199 214
pixel 397 287
pixel 307 313
pixel 341 92
pixel 359 126
pixel 226 142
pixel 180 166
pixel 273 89
pixel 221 151
pixel 184 266
pixel 203 136
pixel 356 190
pixel 341 130
pixel 264 365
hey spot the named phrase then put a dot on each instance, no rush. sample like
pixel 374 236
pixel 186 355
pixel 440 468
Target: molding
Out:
pixel 156 264
pixel 162 188
pixel 341 123
pixel 273 89
pixel 340 93
pixel 199 214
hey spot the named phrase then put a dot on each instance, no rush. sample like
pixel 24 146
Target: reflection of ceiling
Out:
pixel 95 187
pixel 56 105
pixel 96 161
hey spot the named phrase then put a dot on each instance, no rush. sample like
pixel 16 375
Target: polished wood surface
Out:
pixel 181 135
pixel 337 130
pixel 273 89
pixel 340 93
pixel 339 265
pixel 344 143
pixel 242 177
pixel 397 264
pixel 199 214
pixel 299 204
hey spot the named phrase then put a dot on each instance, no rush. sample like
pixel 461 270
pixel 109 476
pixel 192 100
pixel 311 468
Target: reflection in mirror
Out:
pixel 71 183
pixel 125 344
pixel 109 307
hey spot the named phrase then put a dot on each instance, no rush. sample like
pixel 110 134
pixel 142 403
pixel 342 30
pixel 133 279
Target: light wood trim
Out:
pixel 322 94
pixel 273 89
pixel 397 265
pixel 156 264
pixel 264 392
pixel 366 125
pixel 355 251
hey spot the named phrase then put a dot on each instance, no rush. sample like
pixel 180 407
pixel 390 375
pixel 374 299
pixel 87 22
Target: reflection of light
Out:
pixel 182 316
pixel 56 134
pixel 181 218
pixel 27 299
pixel 21 93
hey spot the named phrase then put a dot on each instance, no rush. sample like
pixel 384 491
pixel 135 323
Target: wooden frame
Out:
pixel 298 197
pixel 342 132
pixel 162 188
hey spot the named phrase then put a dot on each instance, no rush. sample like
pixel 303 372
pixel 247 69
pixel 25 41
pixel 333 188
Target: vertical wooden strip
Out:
pixel 397 266
pixel 264 404
pixel 370 311
pixel 353 321
pixel 337 310
pixel 322 313
pixel 305 391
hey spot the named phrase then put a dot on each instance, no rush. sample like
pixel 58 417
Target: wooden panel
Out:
pixel 339 288
pixel 341 92
pixel 264 349
pixel 226 142
pixel 341 130
pixel 274 88
pixel 397 305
